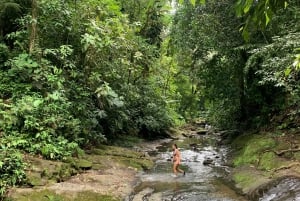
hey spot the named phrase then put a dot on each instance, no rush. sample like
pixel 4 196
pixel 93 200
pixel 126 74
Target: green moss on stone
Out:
pixel 46 195
pixel 248 180
pixel 91 196
pixel 253 148
pixel 139 164
pixel 124 156
pixel 116 151
pixel 269 161
pixel 297 156
pixel 35 179
pixel 98 167
pixel 83 164
pixel 65 172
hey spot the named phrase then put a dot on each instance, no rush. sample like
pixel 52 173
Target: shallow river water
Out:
pixel 201 182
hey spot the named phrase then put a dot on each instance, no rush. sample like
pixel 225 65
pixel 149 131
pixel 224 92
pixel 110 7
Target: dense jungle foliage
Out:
pixel 78 73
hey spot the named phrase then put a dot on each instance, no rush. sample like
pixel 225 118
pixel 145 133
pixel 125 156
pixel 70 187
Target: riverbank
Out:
pixel 258 162
pixel 261 160
pixel 107 173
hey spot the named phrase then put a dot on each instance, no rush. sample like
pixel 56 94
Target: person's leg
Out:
pixel 180 170
pixel 175 168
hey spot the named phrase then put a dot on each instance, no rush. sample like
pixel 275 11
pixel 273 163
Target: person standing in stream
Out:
pixel 176 160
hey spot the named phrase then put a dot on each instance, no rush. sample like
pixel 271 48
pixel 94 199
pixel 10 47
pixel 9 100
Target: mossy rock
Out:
pixel 83 164
pixel 98 160
pixel 139 164
pixel 47 195
pixel 69 160
pixel 116 151
pixel 65 172
pixel 46 173
pixel 253 149
pixel 241 141
pixel 61 172
pixel 91 196
pixel 97 151
pixel 98 167
pixel 147 164
pixel 35 179
pixel 248 180
pixel 269 161
pixel 44 195
pixel 45 168
pixel 297 156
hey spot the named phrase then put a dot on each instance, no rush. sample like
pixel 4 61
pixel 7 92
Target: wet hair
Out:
pixel 176 146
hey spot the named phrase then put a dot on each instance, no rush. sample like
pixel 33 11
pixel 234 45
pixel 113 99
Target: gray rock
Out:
pixel 208 161
pixel 202 132
pixel 146 155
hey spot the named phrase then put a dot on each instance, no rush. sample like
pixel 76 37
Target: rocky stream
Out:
pixel 203 159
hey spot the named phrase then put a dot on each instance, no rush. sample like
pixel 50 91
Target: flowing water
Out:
pixel 286 190
pixel 201 182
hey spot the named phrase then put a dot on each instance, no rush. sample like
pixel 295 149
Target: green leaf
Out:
pixel 239 8
pixel 287 72
pixel 248 6
pixel 246 34
pixel 267 18
pixel 36 103
pixel 286 4
pixel 202 2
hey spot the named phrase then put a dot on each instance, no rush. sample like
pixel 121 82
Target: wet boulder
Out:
pixel 192 135
pixel 202 132
pixel 194 147
pixel 208 161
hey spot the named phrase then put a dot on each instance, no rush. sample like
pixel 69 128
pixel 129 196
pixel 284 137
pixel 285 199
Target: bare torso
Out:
pixel 176 156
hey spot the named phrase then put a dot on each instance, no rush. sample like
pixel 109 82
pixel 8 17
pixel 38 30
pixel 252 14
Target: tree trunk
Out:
pixel 244 58
pixel 33 26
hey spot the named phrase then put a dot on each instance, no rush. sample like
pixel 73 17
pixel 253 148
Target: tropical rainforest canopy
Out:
pixel 79 73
